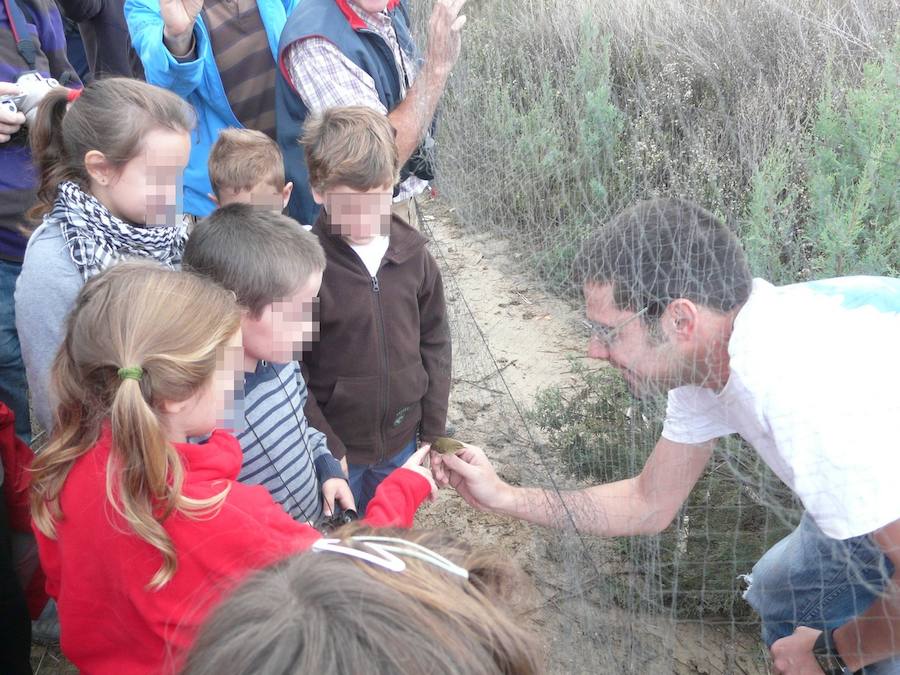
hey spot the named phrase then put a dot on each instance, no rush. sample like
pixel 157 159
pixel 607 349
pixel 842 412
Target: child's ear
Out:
pixel 317 198
pixel 213 198
pixel 99 168
pixel 286 193
pixel 174 407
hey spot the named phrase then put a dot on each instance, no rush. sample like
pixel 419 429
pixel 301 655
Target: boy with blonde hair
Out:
pixel 246 167
pixel 380 373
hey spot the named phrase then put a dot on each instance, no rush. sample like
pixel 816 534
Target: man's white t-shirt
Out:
pixel 814 387
pixel 372 253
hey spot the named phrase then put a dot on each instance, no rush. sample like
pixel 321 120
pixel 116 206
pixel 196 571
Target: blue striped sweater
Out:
pixel 281 451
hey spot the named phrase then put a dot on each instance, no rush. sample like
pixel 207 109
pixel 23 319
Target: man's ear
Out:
pixel 317 198
pixel 680 319
pixel 286 194
pixel 100 169
pixel 213 199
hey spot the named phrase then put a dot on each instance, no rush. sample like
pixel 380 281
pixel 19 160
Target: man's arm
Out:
pixel 414 114
pixel 874 635
pixel 645 504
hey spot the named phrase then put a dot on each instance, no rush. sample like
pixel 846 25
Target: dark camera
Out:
pixel 337 520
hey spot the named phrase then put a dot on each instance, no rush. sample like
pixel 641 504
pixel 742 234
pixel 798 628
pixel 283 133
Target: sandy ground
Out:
pixel 510 340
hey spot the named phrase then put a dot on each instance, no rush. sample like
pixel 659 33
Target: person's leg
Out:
pixel 378 472
pixel 365 479
pixel 355 475
pixel 15 625
pixel 808 579
pixel 13 386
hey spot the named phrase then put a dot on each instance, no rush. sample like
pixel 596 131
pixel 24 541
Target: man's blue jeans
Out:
pixel 364 478
pixel 808 579
pixel 13 387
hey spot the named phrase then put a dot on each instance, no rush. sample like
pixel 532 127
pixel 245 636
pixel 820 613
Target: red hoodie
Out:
pixel 98 569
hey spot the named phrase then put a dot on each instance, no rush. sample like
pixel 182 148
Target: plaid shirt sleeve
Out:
pixel 325 78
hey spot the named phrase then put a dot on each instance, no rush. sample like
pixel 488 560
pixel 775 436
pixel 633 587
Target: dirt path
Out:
pixel 502 322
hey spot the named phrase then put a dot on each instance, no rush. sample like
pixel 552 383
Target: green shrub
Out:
pixel 563 112
pixel 734 514
pixel 828 206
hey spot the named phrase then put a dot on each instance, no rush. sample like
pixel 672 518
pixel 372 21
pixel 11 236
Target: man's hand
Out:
pixel 344 466
pixel 444 36
pixel 415 462
pixel 793 655
pixel 10 122
pixel 337 490
pixel 179 17
pixel 470 472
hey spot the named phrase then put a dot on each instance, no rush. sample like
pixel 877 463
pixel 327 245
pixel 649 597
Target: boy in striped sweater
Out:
pixel 274 267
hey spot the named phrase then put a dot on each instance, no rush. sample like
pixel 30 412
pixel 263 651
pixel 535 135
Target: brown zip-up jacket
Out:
pixel 381 366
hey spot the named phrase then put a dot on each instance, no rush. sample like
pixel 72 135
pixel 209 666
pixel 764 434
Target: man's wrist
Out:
pixel 436 74
pixel 504 500
pixel 828 655
pixel 179 45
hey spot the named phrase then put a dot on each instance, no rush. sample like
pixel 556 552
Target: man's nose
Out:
pixel 597 349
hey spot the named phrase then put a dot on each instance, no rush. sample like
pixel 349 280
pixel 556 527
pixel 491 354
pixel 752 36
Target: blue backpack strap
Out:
pixel 24 42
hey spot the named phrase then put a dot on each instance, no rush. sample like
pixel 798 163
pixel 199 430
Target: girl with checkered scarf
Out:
pixel 110 162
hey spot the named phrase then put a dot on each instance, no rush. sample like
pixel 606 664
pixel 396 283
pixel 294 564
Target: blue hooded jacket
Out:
pixel 197 81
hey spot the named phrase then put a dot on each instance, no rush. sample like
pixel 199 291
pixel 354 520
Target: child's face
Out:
pixel 218 403
pixel 147 189
pixel 264 196
pixel 358 217
pixel 285 328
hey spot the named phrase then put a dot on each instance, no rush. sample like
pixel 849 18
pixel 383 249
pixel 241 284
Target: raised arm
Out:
pixel 645 504
pixel 165 36
pixel 414 114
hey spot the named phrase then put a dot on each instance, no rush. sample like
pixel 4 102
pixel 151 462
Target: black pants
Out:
pixel 15 625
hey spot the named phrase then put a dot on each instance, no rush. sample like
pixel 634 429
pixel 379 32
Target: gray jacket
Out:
pixel 45 292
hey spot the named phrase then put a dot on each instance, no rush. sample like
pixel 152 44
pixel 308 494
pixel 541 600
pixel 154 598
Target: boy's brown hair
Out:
pixel 352 146
pixel 241 159
pixel 258 255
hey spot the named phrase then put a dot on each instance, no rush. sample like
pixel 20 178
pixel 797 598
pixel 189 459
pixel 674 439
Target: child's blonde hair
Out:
pixel 352 146
pixel 171 325
pixel 241 159
pixel 111 116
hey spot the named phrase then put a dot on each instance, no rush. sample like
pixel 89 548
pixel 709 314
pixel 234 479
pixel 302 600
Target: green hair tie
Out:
pixel 131 373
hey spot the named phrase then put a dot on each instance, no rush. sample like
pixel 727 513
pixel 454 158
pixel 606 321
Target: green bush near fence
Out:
pixel 735 513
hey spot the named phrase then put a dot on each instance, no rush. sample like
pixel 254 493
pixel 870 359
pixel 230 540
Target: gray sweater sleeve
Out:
pixel 45 292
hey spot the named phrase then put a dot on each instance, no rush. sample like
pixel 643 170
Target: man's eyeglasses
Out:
pixel 608 334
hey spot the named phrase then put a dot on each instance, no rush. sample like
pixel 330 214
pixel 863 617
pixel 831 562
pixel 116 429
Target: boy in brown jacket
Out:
pixel 380 373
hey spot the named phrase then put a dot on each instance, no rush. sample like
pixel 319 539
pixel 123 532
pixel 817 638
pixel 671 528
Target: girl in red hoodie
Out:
pixel 141 533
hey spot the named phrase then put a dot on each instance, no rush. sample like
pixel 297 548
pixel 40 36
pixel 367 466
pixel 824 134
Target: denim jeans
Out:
pixel 13 387
pixel 364 478
pixel 809 579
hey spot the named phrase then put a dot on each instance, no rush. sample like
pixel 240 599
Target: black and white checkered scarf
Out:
pixel 96 239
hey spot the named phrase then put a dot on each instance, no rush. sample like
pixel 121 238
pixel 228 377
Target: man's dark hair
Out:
pixel 259 255
pixel 663 249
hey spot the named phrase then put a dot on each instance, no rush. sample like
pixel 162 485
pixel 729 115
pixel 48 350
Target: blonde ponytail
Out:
pixel 172 325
